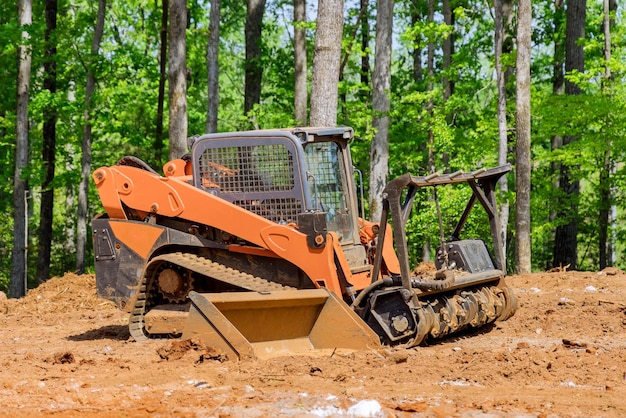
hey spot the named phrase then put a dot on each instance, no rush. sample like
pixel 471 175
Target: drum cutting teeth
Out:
pixel 444 315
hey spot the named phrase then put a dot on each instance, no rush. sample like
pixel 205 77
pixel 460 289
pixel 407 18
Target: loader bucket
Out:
pixel 248 325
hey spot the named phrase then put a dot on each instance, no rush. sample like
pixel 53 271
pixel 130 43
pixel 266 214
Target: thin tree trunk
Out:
pixel 416 17
pixel 352 37
pixel 299 51
pixel 365 57
pixel 212 63
pixel 71 190
pixel 604 187
pixel 379 151
pixel 254 67
pixel 502 16
pixel 48 148
pixel 558 77
pixel 158 139
pixel 558 83
pixel 607 166
pixel 326 63
pixel 69 238
pixel 19 256
pixel 90 87
pixel 522 158
pixel 566 238
pixel 430 72
pixel 178 78
pixel 448 50
pixel 612 242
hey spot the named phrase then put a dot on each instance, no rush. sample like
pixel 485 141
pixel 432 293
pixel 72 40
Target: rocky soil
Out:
pixel 65 352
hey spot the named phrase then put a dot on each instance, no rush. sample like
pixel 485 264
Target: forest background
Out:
pixel 100 72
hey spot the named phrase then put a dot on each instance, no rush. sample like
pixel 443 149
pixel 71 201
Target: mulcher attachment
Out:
pixel 470 291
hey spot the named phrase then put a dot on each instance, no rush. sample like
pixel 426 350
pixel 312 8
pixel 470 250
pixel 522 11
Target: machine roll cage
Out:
pixel 483 184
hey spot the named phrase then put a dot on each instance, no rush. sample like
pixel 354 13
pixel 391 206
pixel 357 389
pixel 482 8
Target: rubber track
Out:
pixel 199 265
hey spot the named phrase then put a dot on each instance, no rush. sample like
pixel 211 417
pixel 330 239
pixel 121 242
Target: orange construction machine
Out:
pixel 253 242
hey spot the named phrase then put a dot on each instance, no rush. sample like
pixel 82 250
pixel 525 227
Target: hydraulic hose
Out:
pixel 443 280
pixel 386 281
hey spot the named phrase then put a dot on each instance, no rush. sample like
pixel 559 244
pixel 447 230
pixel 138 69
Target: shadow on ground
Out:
pixel 108 332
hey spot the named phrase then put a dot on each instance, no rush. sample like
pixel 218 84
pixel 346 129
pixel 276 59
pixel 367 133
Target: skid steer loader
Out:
pixel 253 242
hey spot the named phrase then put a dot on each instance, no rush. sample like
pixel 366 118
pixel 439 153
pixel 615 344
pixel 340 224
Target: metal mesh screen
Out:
pixel 247 169
pixel 253 177
pixel 281 211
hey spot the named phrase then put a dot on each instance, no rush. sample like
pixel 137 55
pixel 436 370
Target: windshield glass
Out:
pixel 328 187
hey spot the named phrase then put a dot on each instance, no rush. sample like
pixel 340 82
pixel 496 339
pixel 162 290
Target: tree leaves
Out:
pixel 464 126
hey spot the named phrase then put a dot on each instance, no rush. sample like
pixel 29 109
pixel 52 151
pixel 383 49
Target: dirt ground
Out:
pixel 65 352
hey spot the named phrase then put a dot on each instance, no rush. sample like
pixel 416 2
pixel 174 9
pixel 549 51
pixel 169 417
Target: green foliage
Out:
pixel 597 122
pixel 464 127
pixel 423 226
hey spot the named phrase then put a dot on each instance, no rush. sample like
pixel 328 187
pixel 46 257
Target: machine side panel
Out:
pixel 199 206
pixel 121 257
pixel 118 267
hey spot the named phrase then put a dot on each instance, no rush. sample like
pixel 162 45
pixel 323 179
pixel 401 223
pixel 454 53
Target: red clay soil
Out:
pixel 67 353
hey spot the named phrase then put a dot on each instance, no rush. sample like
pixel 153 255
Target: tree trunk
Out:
pixel 213 70
pixel 558 77
pixel 48 147
pixel 83 188
pixel 612 242
pixel 607 167
pixel 565 251
pixel 576 16
pixel 70 190
pixel 379 151
pixel 604 191
pixel 416 17
pixel 448 50
pixel 558 83
pixel 254 66
pixel 365 57
pixel 299 52
pixel 326 63
pixel 19 257
pixel 352 37
pixel 158 138
pixel 522 158
pixel 502 16
pixel 430 72
pixel 178 79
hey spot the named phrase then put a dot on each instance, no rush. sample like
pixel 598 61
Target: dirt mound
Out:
pixel 59 294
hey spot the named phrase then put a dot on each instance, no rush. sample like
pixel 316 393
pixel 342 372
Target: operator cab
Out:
pixel 280 174
pixel 330 179
pixel 328 187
